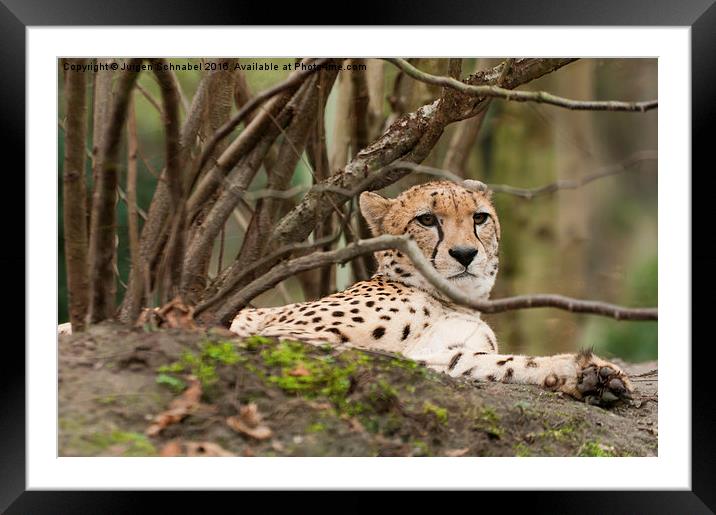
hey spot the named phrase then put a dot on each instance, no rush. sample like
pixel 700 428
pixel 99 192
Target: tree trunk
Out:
pixel 103 225
pixel 74 194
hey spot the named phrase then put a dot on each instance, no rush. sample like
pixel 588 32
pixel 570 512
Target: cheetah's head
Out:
pixel 455 226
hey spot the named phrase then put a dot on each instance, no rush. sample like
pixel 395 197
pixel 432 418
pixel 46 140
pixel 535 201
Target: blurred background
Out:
pixel 598 241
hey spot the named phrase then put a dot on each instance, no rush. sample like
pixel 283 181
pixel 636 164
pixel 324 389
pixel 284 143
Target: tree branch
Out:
pixel 541 97
pixel 405 244
pixel 103 224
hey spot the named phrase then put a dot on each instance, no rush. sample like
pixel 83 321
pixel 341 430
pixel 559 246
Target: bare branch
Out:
pixel 571 184
pixel 103 225
pixel 409 138
pixel 541 97
pixel 132 221
pixel 405 244
pixel 171 262
pixel 74 192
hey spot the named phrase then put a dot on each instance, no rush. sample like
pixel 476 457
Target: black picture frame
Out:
pixel 16 15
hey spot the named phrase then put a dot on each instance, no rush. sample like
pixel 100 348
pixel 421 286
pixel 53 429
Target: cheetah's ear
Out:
pixel 374 208
pixel 479 186
pixel 473 185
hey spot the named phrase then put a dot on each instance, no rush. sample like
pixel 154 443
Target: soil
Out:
pixel 116 385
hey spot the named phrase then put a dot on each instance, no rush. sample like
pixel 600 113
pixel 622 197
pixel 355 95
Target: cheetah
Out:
pixel 399 311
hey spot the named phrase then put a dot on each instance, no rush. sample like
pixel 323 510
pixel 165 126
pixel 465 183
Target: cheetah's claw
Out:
pixel 602 385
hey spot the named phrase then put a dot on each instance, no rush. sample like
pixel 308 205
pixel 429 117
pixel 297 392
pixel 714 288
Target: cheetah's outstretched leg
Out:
pixel 583 376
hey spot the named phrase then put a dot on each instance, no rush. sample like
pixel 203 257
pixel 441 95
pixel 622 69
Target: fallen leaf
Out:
pixel 299 371
pixel 249 423
pixel 193 449
pixel 453 453
pixel 259 433
pixel 178 408
pixel 172 448
pixel 175 314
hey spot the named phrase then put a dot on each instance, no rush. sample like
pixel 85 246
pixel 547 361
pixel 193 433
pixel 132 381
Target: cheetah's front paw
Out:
pixel 600 382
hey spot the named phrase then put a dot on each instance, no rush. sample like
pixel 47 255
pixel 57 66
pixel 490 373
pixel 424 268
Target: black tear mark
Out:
pixel 440 239
pixel 454 360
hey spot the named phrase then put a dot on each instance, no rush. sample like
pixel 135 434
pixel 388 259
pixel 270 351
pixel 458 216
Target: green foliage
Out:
pixel 593 449
pixel 311 376
pixel 136 444
pixel 522 451
pixel 441 414
pixel 174 383
pixel 202 364
pixel 489 422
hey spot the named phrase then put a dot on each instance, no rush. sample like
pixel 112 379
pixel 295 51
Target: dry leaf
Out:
pixel 178 408
pixel 175 314
pixel 259 433
pixel 453 453
pixel 249 423
pixel 300 371
pixel 193 449
pixel 172 448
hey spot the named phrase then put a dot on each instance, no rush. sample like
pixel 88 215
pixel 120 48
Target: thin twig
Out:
pixel 150 98
pixel 541 97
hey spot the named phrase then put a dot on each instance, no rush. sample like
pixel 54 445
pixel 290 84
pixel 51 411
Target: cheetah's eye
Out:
pixel 428 219
pixel 480 218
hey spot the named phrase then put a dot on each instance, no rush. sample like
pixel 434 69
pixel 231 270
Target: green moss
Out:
pixel 489 421
pixel 522 451
pixel 441 414
pixel 561 433
pixel 253 343
pixel 316 427
pixel 202 364
pixel 420 448
pixel 107 399
pixel 175 384
pixel 593 448
pixel 136 444
pixel 295 371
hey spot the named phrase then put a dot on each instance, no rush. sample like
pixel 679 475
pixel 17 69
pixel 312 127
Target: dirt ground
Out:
pixel 134 392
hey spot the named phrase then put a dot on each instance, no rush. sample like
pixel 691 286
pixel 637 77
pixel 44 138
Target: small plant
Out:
pixel 441 414
pixel 593 449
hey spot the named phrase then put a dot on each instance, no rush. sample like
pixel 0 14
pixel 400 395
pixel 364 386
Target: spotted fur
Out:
pixel 398 310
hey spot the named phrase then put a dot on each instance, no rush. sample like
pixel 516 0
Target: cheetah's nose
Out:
pixel 464 255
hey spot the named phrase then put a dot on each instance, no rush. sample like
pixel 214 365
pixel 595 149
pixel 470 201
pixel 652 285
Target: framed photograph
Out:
pixel 290 258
